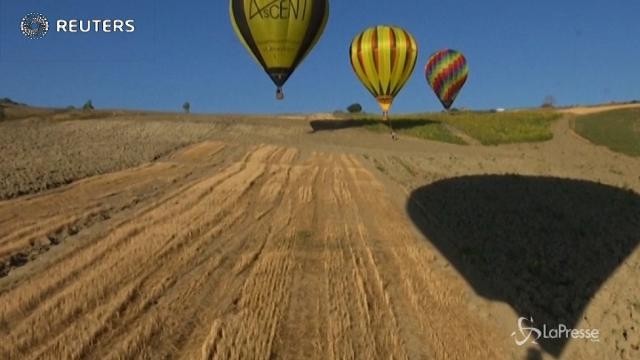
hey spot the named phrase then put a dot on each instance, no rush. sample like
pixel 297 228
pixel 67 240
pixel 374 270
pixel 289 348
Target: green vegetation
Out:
pixel 88 106
pixel 8 101
pixel 549 102
pixel 488 128
pixel 424 129
pixel 504 128
pixel 354 108
pixel 619 130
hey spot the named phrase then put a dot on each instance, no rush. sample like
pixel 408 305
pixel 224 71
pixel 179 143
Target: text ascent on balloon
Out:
pixel 86 26
pixel 278 9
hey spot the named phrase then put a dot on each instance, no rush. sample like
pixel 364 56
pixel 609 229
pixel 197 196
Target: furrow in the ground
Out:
pixel 53 312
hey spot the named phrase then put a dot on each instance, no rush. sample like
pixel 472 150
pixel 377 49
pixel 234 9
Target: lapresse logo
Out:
pixel 35 25
pixel 531 333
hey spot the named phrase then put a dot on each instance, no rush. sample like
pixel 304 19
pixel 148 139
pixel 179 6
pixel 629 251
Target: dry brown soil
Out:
pixel 256 238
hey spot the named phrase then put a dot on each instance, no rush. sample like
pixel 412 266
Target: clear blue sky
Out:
pixel 519 51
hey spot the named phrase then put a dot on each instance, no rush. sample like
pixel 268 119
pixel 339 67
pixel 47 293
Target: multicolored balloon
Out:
pixel 383 58
pixel 447 72
pixel 279 34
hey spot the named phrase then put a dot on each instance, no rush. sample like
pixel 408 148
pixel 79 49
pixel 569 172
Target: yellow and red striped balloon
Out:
pixel 447 72
pixel 383 58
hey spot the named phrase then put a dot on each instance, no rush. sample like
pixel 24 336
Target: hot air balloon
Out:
pixel 446 72
pixel 279 34
pixel 383 58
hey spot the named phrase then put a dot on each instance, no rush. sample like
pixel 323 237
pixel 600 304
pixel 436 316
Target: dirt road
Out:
pixel 271 241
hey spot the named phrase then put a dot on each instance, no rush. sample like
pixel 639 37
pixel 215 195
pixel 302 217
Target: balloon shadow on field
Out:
pixel 543 245
pixel 398 124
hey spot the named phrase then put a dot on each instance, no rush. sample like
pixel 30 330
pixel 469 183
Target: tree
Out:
pixel 354 108
pixel 8 101
pixel 549 102
pixel 88 106
pixel 186 107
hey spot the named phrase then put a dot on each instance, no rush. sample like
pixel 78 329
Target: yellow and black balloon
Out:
pixel 383 58
pixel 279 34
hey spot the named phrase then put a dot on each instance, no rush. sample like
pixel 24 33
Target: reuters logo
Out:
pixel 34 26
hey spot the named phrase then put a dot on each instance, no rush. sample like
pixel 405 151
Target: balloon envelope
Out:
pixel 279 34
pixel 383 58
pixel 446 73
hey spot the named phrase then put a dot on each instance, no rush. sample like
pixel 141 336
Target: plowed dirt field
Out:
pixel 260 239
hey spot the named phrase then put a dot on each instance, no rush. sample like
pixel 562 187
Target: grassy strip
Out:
pixel 487 128
pixel 505 128
pixel 423 129
pixel 619 130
